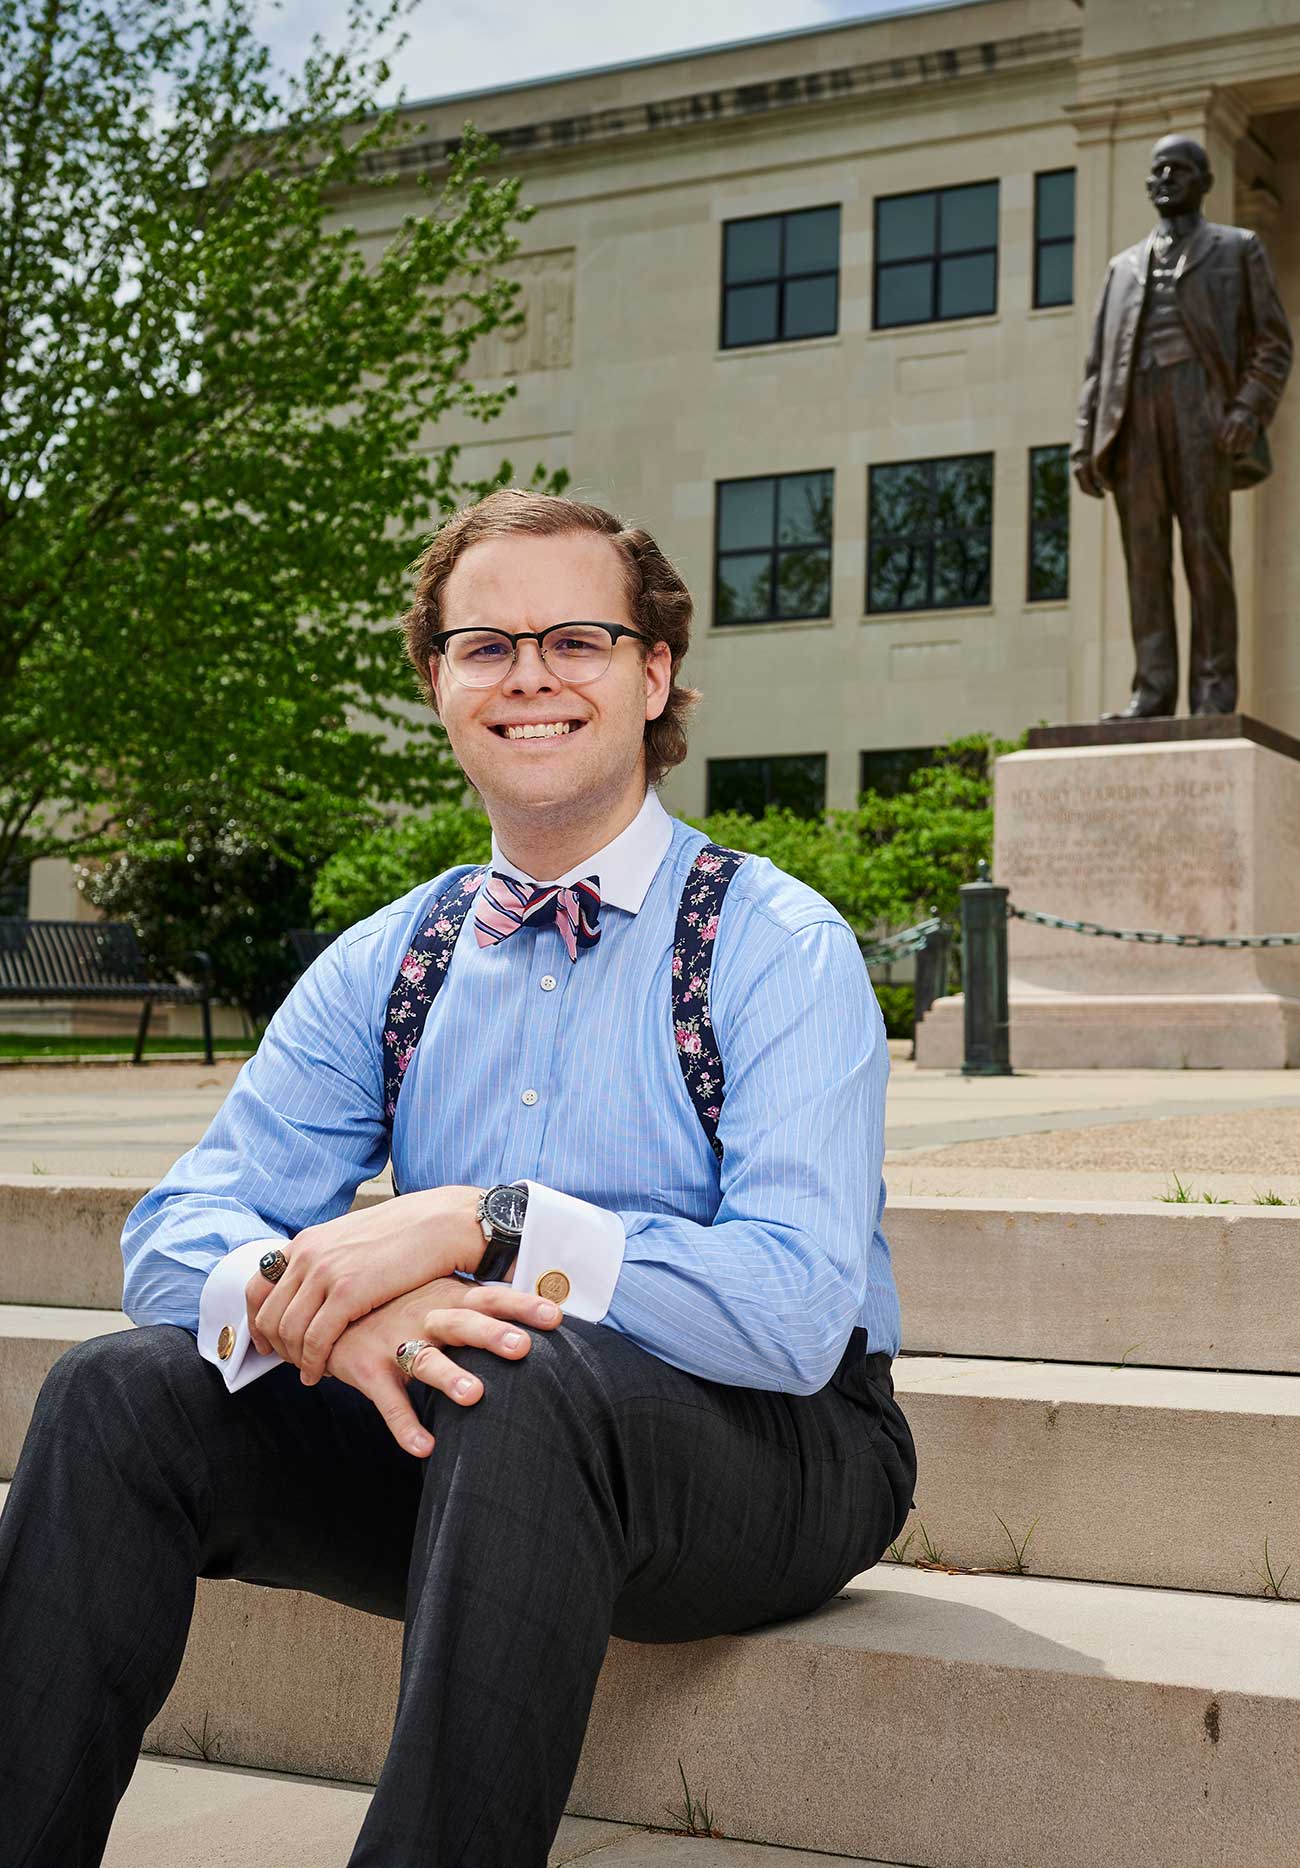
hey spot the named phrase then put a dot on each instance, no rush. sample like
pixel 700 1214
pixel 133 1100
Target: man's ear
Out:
pixel 658 679
pixel 435 663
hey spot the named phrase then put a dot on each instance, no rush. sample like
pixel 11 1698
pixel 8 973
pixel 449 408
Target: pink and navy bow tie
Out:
pixel 506 904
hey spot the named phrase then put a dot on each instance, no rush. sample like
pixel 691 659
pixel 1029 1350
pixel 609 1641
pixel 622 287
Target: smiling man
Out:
pixel 616 1359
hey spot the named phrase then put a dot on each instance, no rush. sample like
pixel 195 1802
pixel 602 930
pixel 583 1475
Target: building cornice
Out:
pixel 748 102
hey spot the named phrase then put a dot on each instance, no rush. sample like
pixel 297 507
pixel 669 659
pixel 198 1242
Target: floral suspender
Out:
pixel 425 967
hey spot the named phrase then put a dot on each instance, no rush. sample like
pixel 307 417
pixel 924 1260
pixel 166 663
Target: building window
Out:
pixel 889 773
pixel 773 559
pixel 1054 238
pixel 796 782
pixel 1049 524
pixel 936 255
pixel 930 534
pixel 780 277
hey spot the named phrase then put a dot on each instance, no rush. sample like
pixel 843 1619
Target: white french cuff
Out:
pixel 223 1317
pixel 571 1252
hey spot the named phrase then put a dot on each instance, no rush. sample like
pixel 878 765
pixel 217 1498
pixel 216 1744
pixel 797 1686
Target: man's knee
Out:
pixel 145 1366
pixel 575 1377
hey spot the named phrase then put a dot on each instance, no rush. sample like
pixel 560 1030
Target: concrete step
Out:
pixel 1172 1478
pixel 1162 1285
pixel 1097 1474
pixel 1089 1281
pixel 947 1721
pixel 179 1815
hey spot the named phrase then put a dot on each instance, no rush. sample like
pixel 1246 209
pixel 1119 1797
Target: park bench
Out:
pixel 309 944
pixel 92 960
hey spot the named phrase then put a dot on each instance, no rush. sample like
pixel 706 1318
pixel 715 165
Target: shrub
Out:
pixel 380 866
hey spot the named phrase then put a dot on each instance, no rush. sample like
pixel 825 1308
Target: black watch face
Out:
pixel 506 1207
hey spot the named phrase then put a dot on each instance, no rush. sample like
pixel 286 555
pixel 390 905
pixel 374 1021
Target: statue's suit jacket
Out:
pixel 1234 322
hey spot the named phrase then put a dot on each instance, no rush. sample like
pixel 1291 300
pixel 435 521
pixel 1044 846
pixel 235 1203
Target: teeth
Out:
pixel 551 731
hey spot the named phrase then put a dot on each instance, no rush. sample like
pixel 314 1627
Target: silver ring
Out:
pixel 407 1352
pixel 273 1265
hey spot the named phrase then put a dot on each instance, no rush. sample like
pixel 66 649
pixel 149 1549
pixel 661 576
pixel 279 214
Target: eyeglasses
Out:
pixel 573 652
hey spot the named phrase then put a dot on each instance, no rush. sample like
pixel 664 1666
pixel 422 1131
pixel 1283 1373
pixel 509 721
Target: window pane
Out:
pixel 961 569
pixel 737 785
pixel 967 287
pixel 898 577
pixel 900 500
pixel 1056 206
pixel 1049 488
pixel 1049 565
pixel 798 783
pixel 904 227
pixel 810 307
pixel 804 583
pixel 903 294
pixel 751 315
pixel 745 514
pixel 753 249
pixel 968 217
pixel 744 588
pixel 1054 284
pixel 963 493
pixel 804 508
pixel 812 241
pixel 888 773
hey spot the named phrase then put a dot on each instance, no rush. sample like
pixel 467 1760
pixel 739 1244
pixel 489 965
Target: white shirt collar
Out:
pixel 626 866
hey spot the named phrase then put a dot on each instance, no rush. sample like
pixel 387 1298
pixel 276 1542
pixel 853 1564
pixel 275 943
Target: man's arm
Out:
pixel 1268 363
pixel 1086 419
pixel 765 1296
pixel 298 1133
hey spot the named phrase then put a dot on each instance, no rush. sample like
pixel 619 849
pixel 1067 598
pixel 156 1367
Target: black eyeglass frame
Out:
pixel 615 632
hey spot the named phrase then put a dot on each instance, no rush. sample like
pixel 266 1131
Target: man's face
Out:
pixel 522 583
pixel 1177 183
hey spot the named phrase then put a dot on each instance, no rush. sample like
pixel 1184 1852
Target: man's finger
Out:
pixel 321 1335
pixel 256 1292
pixel 503 1300
pixel 388 1392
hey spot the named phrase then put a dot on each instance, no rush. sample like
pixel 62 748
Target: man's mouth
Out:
pixel 542 729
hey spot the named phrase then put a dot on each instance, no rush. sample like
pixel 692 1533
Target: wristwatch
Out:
pixel 500 1212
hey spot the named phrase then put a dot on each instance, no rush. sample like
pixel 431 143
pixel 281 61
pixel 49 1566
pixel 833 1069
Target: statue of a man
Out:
pixel 1189 357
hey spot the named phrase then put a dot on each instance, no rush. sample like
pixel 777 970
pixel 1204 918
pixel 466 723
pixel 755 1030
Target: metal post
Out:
pixel 930 980
pixel 984 977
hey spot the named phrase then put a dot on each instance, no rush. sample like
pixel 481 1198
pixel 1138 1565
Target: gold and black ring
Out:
pixel 273 1265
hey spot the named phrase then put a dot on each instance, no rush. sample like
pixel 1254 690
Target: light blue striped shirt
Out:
pixel 751 1272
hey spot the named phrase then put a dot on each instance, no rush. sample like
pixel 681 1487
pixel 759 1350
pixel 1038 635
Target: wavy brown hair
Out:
pixel 658 601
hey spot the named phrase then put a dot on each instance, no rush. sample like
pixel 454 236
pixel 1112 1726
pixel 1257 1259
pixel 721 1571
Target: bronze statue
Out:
pixel 1189 357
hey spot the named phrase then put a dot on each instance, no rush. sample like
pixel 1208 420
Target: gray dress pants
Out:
pixel 1168 465
pixel 592 1490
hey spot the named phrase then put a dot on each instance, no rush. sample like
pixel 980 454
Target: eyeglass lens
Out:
pixel 575 653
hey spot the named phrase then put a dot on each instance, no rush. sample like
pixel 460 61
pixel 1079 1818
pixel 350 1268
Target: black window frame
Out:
pixel 1036 527
pixel 910 760
pixel 936 256
pixel 1042 241
pixel 780 278
pixel 930 540
pixel 775 550
pixel 766 759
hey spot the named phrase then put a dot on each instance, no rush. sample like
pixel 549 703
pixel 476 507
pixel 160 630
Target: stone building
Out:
pixel 814 309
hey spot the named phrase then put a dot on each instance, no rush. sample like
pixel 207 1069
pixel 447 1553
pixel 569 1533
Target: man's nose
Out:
pixel 530 675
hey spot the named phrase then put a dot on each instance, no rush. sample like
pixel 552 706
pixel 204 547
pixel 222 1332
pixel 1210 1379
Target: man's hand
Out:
pixel 345 1268
pixel 447 1313
pixel 1087 481
pixel 1238 431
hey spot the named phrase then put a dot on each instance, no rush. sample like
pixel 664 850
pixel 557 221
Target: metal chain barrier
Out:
pixel 907 940
pixel 1148 936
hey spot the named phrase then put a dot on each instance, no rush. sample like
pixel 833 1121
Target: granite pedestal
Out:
pixel 1180 826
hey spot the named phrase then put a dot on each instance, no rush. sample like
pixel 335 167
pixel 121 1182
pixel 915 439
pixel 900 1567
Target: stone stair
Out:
pixel 1083 1669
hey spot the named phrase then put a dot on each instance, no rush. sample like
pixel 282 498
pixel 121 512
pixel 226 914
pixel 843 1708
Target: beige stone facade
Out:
pixel 621 378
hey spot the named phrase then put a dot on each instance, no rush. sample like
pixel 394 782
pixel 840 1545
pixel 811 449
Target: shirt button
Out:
pixel 548 982
pixel 529 1097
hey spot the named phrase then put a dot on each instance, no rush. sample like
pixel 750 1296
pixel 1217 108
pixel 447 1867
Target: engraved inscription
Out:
pixel 543 339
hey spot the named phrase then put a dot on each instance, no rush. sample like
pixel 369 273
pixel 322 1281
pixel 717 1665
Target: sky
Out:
pixel 479 44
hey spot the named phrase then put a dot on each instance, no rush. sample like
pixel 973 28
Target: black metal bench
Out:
pixel 309 944
pixel 92 960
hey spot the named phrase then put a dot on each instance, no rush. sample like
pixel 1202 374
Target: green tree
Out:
pixel 216 418
pixel 377 868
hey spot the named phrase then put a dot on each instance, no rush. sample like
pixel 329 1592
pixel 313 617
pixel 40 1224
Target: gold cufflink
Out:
pixel 553 1285
pixel 226 1343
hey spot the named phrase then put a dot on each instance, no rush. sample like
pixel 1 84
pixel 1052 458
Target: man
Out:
pixel 705 1439
pixel 1189 357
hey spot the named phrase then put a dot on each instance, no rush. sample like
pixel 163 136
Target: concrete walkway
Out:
pixel 108 1120
pixel 206 1816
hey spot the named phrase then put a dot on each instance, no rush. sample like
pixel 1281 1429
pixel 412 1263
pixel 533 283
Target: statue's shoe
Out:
pixel 1143 711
